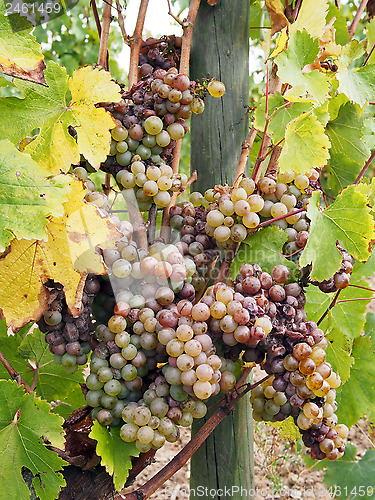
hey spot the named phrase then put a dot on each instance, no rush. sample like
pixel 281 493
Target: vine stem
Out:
pixel 287 9
pixel 273 149
pixel 266 141
pixel 357 17
pixel 273 165
pixel 107 184
pixel 185 454
pixel 188 36
pixel 266 222
pixel 246 148
pixel 189 182
pixel 96 17
pixel 188 27
pixel 103 48
pixel 152 214
pixel 263 145
pixel 296 10
pixel 332 304
pixel 14 374
pixel 273 85
pixel 362 172
pixel 121 23
pixel 353 300
pixel 135 43
pixel 364 288
pixel 369 54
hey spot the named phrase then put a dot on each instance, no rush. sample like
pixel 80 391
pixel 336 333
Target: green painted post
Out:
pixel 220 49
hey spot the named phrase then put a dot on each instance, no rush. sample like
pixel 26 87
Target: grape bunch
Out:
pixel 233 213
pixel 151 184
pixel 160 53
pixel 179 268
pixel 68 337
pixel 149 124
pixel 128 388
pixel 315 418
pixel 188 232
pixel 152 116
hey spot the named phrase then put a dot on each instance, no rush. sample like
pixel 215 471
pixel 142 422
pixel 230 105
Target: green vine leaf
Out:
pixel 302 50
pixel 342 34
pixel 350 476
pixel 359 390
pixel 255 18
pixel 47 108
pixel 52 383
pixel 338 353
pixel 265 248
pixel 23 422
pixel 369 328
pixel 347 220
pixel 115 453
pixel 348 150
pixel 27 197
pixel 370 35
pixel 358 84
pixel 28 351
pixel 306 145
pixel 316 302
pixel 281 117
pixel 311 17
pixel 20 54
pixel 348 316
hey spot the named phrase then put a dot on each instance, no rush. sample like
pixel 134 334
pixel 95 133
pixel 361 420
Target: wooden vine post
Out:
pixel 220 49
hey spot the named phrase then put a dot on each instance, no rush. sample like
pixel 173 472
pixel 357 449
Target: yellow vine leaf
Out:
pixel 275 9
pixel 281 43
pixel 71 251
pixel 327 48
pixel 65 103
pixel 311 17
pixel 89 87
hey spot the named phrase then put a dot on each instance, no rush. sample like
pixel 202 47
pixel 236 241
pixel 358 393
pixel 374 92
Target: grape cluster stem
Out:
pixel 121 22
pixel 96 17
pixel 362 172
pixel 190 181
pixel 176 18
pixel 106 21
pixel 332 304
pixel 136 43
pixel 246 148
